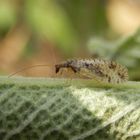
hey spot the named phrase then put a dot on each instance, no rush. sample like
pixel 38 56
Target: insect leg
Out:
pixel 75 69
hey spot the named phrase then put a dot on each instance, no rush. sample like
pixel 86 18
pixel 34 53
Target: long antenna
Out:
pixel 42 65
pixel 25 68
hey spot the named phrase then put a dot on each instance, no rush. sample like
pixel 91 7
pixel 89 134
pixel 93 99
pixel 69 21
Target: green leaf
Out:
pixel 44 108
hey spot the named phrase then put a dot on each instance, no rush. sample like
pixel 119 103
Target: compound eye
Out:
pixel 57 68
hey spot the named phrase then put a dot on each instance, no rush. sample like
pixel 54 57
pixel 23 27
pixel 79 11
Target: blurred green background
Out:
pixel 49 31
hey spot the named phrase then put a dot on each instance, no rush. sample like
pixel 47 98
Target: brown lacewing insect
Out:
pixel 97 69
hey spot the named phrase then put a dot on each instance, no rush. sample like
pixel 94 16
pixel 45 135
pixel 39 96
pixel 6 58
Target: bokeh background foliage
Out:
pixel 48 31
